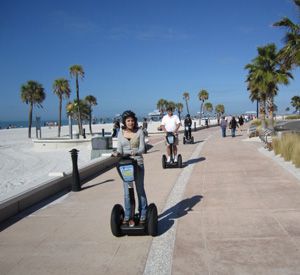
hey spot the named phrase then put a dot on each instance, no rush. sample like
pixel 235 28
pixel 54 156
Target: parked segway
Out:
pixel 165 164
pixel 188 138
pixel 127 171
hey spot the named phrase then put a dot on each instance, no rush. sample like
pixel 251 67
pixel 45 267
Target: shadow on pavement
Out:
pixel 166 219
pixel 90 186
pixel 191 161
pixel 12 220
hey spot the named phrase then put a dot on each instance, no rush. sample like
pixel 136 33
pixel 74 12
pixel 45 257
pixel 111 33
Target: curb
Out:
pixel 28 198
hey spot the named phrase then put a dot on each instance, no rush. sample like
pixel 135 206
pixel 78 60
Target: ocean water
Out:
pixel 24 124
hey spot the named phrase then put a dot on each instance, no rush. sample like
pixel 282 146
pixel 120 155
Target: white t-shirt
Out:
pixel 170 122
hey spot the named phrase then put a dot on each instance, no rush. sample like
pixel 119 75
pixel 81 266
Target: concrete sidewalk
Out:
pixel 231 210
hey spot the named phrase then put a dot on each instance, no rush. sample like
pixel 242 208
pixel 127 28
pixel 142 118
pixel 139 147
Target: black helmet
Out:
pixel 126 114
pixel 188 115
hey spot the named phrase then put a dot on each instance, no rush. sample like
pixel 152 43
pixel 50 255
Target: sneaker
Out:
pixel 168 159
pixel 126 220
pixel 131 223
pixel 175 158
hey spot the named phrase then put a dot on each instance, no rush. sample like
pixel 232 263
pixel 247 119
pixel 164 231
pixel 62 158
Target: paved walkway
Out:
pixel 230 210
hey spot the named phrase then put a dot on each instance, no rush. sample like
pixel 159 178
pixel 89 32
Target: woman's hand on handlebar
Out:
pixel 115 154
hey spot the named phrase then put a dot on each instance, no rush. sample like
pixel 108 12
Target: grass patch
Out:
pixel 276 145
pixel 288 147
pixel 256 122
pixel 293 117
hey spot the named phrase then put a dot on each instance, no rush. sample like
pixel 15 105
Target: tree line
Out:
pixel 203 95
pixel 33 94
pixel 272 67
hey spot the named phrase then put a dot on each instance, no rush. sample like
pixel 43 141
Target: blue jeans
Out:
pixel 223 132
pixel 141 194
pixel 233 132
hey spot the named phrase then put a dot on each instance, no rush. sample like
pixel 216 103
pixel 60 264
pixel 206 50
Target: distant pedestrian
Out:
pixel 241 122
pixel 223 125
pixel 145 126
pixel 116 129
pixel 232 125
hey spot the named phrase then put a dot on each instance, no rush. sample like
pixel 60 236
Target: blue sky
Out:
pixel 136 52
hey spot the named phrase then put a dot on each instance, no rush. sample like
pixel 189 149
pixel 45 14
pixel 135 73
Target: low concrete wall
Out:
pixel 60 143
pixel 15 205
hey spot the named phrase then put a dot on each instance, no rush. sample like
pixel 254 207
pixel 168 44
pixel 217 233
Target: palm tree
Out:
pixel 267 73
pixel 208 107
pixel 295 102
pixel 77 71
pixel 171 104
pixel 161 105
pixel 32 93
pixel 202 96
pixel 220 110
pixel 289 55
pixel 256 91
pixel 61 88
pixel 72 109
pixel 179 108
pixel 186 97
pixel 91 101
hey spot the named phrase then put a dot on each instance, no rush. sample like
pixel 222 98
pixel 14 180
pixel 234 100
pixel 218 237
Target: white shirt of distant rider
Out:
pixel 170 122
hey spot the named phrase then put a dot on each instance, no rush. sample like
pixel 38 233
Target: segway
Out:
pixel 127 168
pixel 188 138
pixel 165 164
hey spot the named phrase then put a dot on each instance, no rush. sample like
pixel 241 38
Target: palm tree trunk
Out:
pixel 30 119
pixel 90 123
pixel 59 116
pixel 79 114
pixel 270 104
pixel 201 110
pixel 187 106
pixel 262 112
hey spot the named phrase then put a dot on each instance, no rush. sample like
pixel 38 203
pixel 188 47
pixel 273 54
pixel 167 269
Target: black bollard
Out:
pixel 103 133
pixel 83 133
pixel 195 128
pixel 75 174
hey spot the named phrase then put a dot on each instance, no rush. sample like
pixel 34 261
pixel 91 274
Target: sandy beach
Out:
pixel 23 166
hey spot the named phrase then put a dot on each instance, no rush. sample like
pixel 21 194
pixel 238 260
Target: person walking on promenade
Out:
pixel 223 125
pixel 145 126
pixel 116 128
pixel 171 123
pixel 241 123
pixel 131 141
pixel 233 124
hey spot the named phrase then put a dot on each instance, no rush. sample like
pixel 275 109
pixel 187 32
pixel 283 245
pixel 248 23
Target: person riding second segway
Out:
pixel 188 127
pixel 171 123
pixel 131 142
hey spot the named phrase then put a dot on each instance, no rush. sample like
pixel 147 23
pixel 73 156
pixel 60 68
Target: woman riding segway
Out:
pixel 131 146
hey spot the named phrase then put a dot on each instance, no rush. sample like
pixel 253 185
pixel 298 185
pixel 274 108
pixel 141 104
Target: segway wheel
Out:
pixel 152 227
pixel 179 163
pixel 192 140
pixel 164 161
pixel 183 140
pixel 116 219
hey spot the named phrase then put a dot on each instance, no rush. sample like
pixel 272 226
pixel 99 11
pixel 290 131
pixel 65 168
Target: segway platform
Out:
pixel 127 171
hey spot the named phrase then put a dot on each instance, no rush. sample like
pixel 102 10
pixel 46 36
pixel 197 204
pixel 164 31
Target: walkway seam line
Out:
pixel 160 256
